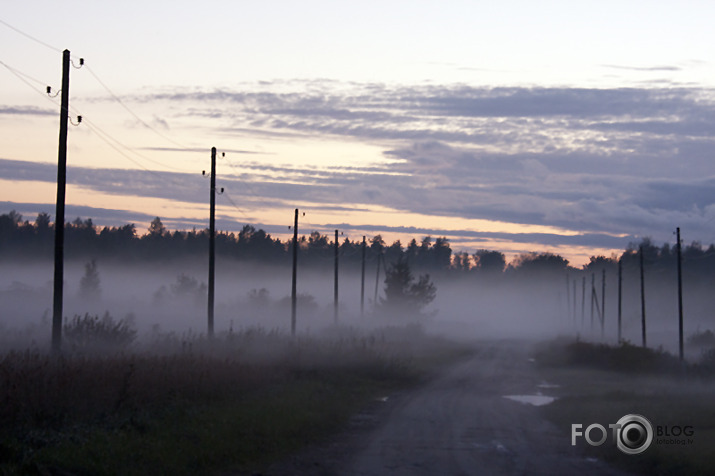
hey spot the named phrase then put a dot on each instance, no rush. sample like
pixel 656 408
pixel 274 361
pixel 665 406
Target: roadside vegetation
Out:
pixel 186 404
pixel 601 383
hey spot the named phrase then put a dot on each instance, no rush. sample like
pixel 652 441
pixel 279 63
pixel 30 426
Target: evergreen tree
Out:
pixel 402 294
pixel 89 285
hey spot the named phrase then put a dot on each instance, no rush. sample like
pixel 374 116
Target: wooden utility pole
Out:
pixel 293 296
pixel 620 295
pixel 593 297
pixel 583 300
pixel 377 278
pixel 603 303
pixel 680 294
pixel 574 303
pixel 212 244
pixel 60 207
pixel 335 290
pixel 568 296
pixel 362 279
pixel 640 253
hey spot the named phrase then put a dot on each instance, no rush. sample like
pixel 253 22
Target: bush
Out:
pixel 94 333
pixel 705 338
pixel 624 357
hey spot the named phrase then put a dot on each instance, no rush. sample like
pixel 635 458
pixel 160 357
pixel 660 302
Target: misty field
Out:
pixel 192 405
pixel 601 383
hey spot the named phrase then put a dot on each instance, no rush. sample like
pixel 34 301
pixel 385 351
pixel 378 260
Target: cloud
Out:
pixel 599 162
pixel 26 111
pixel 99 216
pixel 644 68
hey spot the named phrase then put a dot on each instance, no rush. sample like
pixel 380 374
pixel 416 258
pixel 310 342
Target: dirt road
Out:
pixel 459 424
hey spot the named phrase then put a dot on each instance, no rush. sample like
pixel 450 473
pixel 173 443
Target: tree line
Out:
pixel 21 238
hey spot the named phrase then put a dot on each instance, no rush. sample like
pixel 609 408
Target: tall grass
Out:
pixel 73 412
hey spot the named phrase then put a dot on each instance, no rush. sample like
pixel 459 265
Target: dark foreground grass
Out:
pixel 597 386
pixel 191 406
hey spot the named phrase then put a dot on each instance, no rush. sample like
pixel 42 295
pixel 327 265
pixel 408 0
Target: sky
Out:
pixel 569 127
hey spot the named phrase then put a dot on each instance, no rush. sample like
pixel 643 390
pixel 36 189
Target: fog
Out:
pixel 466 306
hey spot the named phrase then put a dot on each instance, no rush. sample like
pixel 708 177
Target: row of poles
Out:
pixel 294 280
pixel 601 310
pixel 57 305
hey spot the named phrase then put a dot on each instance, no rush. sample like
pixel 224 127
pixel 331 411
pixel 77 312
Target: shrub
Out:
pixel 94 333
pixel 705 338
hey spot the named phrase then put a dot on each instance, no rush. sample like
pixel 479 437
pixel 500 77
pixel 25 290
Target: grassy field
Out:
pixel 190 405
pixel 600 384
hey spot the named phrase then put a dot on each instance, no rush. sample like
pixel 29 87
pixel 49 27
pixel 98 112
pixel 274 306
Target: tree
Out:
pixel 461 262
pixel 156 228
pixel 42 222
pixel 539 263
pixel 489 261
pixel 441 253
pixel 89 285
pixel 402 294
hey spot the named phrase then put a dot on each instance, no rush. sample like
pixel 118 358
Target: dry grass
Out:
pixel 132 413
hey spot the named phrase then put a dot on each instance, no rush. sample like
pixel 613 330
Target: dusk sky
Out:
pixel 570 127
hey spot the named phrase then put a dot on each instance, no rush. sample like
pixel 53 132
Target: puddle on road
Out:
pixel 536 400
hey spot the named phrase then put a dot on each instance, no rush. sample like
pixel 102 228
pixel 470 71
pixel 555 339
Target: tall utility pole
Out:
pixel 212 243
pixel 568 296
pixel 60 207
pixel 680 294
pixel 335 290
pixel 583 301
pixel 603 303
pixel 620 295
pixel 293 296
pixel 593 297
pixel 640 253
pixel 362 280
pixel 377 278
pixel 574 303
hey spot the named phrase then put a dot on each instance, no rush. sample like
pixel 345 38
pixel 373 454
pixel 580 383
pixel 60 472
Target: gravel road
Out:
pixel 458 424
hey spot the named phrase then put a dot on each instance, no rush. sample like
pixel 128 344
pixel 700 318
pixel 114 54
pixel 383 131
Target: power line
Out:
pixel 27 35
pixel 228 197
pixel 98 79
pixel 130 111
pixel 106 137
pixel 17 72
pixel 21 76
pixel 238 177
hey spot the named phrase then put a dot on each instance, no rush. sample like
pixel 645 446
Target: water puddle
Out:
pixel 536 400
pixel 548 385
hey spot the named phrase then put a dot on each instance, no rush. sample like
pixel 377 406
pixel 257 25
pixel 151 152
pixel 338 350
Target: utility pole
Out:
pixel 583 300
pixel 603 303
pixel 362 280
pixel 293 296
pixel 620 295
pixel 377 278
pixel 568 296
pixel 680 294
pixel 574 303
pixel 335 290
pixel 60 207
pixel 212 244
pixel 593 297
pixel 640 252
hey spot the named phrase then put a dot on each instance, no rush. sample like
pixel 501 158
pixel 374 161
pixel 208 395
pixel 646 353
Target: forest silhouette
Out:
pixel 23 239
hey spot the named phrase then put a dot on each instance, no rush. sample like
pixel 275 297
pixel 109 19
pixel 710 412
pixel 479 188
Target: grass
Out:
pixel 191 405
pixel 600 384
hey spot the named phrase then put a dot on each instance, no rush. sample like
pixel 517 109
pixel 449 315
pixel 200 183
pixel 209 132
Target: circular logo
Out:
pixel 634 434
